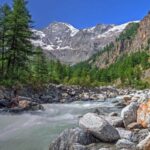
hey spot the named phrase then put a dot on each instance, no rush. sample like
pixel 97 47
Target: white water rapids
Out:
pixel 35 131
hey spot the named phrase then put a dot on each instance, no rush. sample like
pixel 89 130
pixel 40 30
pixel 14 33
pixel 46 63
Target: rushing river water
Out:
pixel 35 131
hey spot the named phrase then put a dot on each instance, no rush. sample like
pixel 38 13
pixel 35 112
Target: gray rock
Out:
pixel 129 113
pixel 125 144
pixel 77 146
pixel 71 139
pixel 99 127
pixel 115 121
pixel 144 144
pixel 124 134
pixel 138 136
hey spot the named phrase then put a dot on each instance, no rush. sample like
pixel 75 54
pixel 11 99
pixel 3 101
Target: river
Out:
pixel 35 130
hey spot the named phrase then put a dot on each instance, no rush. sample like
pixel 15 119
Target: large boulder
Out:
pixel 143 114
pixel 73 139
pixel 125 144
pixel 129 113
pixel 145 144
pixel 99 127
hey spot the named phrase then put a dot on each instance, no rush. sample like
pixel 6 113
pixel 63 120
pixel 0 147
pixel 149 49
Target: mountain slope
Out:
pixel 70 45
pixel 135 38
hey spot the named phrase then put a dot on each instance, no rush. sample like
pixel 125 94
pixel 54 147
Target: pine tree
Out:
pixel 5 10
pixel 41 66
pixel 19 36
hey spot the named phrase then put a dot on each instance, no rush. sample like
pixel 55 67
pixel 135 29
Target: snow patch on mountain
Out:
pixel 38 33
pixel 115 29
pixel 74 31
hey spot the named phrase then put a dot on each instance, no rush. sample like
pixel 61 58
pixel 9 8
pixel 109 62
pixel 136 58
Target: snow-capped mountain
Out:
pixel 71 45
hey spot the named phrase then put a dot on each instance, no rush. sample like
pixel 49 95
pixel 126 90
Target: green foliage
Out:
pixel 129 33
pixel 128 69
pixel 107 48
pixel 19 63
pixel 16 40
pixel 19 35
pixel 5 11
pixel 40 66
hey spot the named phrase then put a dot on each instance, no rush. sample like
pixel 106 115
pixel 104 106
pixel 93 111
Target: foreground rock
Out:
pixel 73 139
pixel 143 114
pixel 139 135
pixel 124 134
pixel 145 144
pixel 129 113
pixel 114 121
pixel 125 144
pixel 99 127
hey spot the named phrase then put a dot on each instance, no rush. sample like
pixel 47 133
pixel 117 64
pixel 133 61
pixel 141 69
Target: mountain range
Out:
pixel 63 42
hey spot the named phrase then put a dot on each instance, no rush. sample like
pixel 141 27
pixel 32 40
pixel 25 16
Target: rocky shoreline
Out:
pixel 128 130
pixel 29 98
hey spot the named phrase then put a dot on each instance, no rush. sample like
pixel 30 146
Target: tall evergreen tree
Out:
pixel 5 10
pixel 19 36
pixel 41 66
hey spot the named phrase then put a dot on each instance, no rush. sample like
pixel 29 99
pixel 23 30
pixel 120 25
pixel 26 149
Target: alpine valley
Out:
pixel 101 55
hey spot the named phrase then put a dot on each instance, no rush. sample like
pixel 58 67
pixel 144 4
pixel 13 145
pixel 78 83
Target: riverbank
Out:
pixel 119 111
pixel 65 94
pixel 127 130
pixel 29 98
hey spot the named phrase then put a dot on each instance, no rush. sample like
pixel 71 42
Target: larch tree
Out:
pixel 5 10
pixel 19 39
pixel 41 66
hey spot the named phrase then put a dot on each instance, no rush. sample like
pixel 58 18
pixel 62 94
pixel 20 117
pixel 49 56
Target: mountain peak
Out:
pixel 59 26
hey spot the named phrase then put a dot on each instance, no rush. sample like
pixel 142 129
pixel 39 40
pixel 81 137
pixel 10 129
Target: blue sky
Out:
pixel 86 13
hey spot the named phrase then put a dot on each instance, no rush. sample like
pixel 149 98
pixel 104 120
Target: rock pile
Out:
pixel 130 130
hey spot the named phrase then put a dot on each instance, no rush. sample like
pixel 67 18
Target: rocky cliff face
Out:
pixel 116 49
pixel 140 41
pixel 142 38
pixel 69 45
